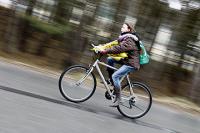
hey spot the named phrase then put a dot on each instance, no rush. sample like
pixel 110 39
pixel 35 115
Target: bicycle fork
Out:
pixel 87 74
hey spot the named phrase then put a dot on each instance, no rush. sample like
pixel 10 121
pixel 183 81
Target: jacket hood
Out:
pixel 127 35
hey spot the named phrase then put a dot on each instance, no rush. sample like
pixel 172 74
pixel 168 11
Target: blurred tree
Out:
pixel 77 39
pixel 60 17
pixel 45 31
pixel 11 29
pixel 94 9
pixel 87 19
pixel 82 18
pixel 194 93
pixel 24 26
pixel 63 11
pixel 119 17
pixel 149 17
pixel 187 33
pixel 195 90
pixel 31 4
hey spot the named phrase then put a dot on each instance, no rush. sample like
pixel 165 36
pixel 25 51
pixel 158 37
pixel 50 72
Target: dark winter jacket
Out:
pixel 127 44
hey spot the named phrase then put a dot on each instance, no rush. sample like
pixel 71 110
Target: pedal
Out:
pixel 107 95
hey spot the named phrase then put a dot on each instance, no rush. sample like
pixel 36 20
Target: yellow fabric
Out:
pixel 109 45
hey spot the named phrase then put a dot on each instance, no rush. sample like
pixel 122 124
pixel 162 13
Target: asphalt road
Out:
pixel 31 102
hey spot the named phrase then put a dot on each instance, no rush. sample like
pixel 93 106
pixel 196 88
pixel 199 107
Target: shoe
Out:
pixel 117 100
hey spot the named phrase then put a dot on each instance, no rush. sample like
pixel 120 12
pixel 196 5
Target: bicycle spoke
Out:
pixel 126 106
pixel 138 107
pixel 138 103
pixel 76 84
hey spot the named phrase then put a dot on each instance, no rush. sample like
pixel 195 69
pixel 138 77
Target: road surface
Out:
pixel 31 102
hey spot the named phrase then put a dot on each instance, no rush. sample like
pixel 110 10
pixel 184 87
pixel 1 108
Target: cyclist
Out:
pixel 128 44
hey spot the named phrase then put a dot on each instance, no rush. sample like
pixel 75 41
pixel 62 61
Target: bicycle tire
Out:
pixel 67 79
pixel 132 103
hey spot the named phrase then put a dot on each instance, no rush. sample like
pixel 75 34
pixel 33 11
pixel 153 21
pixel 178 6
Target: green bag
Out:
pixel 144 57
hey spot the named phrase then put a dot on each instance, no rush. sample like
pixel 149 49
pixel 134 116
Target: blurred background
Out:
pixel 58 33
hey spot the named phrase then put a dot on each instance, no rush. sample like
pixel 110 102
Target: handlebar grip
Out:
pixel 92 45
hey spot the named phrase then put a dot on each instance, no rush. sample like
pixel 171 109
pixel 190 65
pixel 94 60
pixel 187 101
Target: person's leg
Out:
pixel 122 71
pixel 111 62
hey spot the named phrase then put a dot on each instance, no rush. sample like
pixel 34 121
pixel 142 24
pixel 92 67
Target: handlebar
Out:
pixel 92 45
pixel 97 50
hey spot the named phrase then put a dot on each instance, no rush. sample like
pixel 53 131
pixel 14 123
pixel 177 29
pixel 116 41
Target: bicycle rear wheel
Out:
pixel 76 85
pixel 135 105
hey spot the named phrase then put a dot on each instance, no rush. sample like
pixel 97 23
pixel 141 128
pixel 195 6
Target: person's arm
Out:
pixel 126 45
pixel 103 47
pixel 110 44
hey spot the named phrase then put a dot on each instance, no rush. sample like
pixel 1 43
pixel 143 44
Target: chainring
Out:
pixel 107 95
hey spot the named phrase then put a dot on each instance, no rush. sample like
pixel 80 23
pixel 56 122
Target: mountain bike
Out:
pixel 78 83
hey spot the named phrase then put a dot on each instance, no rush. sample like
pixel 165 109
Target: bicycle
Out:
pixel 78 83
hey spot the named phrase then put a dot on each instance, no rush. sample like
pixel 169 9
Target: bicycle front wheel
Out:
pixel 137 104
pixel 76 84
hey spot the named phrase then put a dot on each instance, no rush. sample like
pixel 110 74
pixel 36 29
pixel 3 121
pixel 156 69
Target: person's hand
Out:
pixel 102 52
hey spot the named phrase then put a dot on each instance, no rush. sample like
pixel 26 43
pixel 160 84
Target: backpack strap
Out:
pixel 138 41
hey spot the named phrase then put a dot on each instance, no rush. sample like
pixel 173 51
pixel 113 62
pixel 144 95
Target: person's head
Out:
pixel 127 27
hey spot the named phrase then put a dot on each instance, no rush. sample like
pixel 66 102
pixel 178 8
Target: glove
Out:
pixel 102 52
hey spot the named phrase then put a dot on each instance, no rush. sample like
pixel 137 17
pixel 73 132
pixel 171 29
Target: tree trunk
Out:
pixel 31 5
pixel 10 36
pixel 42 45
pixel 119 19
pixel 24 29
pixel 62 12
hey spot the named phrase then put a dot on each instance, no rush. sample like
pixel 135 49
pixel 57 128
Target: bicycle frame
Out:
pixel 130 97
pixel 96 65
